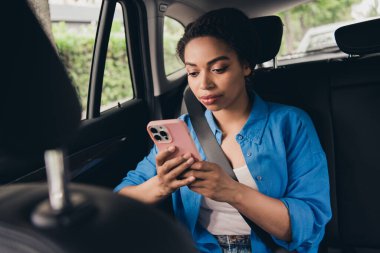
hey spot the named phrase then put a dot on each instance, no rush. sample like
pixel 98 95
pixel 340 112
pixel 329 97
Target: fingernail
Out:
pixel 192 178
pixel 186 156
pixel 171 148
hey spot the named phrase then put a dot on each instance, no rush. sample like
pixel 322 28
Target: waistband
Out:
pixel 234 239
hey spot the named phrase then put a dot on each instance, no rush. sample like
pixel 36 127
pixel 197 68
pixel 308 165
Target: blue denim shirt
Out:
pixel 284 156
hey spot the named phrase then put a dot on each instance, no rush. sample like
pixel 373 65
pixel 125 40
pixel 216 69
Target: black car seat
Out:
pixel 40 111
pixel 343 99
pixel 355 103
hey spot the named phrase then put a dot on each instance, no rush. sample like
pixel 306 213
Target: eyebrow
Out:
pixel 219 58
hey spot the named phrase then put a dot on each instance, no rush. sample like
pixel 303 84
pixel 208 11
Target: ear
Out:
pixel 247 70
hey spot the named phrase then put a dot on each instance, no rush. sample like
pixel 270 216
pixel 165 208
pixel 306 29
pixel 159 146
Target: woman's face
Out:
pixel 215 74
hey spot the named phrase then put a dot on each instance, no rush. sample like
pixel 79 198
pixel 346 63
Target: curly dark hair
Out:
pixel 229 25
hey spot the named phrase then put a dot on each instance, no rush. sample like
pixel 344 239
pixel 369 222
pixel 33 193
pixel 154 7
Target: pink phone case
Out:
pixel 172 132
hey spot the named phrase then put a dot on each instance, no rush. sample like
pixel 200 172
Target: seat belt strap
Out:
pixel 205 136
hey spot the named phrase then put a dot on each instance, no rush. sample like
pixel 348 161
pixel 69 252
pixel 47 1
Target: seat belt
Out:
pixel 214 153
pixel 205 136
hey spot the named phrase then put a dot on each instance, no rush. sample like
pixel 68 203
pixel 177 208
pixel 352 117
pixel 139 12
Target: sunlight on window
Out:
pixel 310 27
pixel 173 31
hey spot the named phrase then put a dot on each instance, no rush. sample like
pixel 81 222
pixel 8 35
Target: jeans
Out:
pixel 234 243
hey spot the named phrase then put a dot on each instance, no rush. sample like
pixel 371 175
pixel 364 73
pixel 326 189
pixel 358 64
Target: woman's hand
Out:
pixel 269 213
pixel 211 181
pixel 169 171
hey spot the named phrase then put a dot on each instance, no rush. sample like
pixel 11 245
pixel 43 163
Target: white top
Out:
pixel 220 218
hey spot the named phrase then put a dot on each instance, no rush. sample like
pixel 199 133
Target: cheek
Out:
pixel 232 82
pixel 192 85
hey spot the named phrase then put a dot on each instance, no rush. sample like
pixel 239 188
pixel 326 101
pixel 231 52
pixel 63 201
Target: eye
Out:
pixel 192 74
pixel 219 70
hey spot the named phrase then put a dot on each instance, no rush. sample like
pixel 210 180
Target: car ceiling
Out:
pixel 187 10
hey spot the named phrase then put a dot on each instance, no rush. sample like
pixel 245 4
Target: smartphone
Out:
pixel 173 132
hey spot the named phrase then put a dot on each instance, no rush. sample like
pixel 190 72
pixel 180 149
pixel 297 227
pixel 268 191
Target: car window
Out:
pixel 173 31
pixel 117 81
pixel 74 29
pixel 309 28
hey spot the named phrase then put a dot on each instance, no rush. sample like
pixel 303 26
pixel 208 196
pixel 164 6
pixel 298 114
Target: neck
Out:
pixel 233 118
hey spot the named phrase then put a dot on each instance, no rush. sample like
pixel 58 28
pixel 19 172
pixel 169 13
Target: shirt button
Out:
pixel 259 178
pixel 249 154
pixel 240 137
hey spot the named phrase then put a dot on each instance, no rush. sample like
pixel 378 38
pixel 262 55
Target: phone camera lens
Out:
pixel 163 133
pixel 157 137
pixel 153 130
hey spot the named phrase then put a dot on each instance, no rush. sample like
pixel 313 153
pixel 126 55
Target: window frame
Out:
pixel 136 38
pixel 113 104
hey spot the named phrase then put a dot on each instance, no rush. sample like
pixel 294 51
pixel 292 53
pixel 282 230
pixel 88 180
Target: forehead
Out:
pixel 204 49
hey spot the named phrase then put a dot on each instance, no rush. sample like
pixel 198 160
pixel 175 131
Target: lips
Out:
pixel 210 99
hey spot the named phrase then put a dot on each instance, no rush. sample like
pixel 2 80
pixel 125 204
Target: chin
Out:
pixel 213 108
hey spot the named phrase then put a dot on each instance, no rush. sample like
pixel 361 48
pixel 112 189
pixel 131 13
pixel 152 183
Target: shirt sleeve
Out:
pixel 308 195
pixel 145 170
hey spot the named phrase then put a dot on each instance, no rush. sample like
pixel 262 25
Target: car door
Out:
pixel 112 140
pixel 112 136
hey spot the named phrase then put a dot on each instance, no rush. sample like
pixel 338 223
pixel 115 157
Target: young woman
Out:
pixel 274 149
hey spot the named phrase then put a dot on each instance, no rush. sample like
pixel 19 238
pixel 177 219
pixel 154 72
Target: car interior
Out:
pixel 342 96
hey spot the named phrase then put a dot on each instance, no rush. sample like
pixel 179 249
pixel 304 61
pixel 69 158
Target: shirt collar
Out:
pixel 211 122
pixel 254 127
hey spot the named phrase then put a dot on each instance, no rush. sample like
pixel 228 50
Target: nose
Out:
pixel 205 82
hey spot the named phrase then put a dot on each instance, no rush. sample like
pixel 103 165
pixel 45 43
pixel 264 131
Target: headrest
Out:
pixel 106 222
pixel 269 30
pixel 39 106
pixel 360 38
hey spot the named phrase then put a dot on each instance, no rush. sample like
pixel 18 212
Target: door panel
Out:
pixel 111 144
pixel 107 144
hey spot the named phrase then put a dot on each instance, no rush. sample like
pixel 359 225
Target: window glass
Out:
pixel 173 31
pixel 309 28
pixel 117 82
pixel 73 24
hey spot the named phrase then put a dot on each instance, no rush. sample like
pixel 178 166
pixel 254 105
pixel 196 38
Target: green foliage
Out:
pixel 76 48
pixel 117 84
pixel 323 12
pixel 173 31
pixel 312 14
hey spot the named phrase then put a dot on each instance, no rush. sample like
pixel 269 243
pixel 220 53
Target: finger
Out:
pixel 186 181
pixel 181 169
pixel 162 156
pixel 186 173
pixel 202 165
pixel 197 184
pixel 198 174
pixel 171 164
